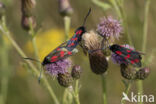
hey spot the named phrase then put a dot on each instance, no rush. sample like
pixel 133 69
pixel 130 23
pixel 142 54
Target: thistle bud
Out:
pixel 27 7
pixel 65 8
pixel 98 62
pixel 143 73
pixel 27 21
pixel 76 72
pixel 65 80
pixel 2 9
pixel 128 72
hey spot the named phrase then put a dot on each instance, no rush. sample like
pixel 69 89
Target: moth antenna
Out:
pixel 39 78
pixel 27 58
pixel 86 16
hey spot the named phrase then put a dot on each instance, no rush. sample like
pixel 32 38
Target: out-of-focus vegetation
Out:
pixel 23 88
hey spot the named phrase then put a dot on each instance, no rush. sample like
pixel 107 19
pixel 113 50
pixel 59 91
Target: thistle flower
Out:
pixel 76 72
pixel 60 67
pixel 65 79
pixel 98 62
pixel 109 28
pixel 143 73
pixel 65 8
pixel 117 59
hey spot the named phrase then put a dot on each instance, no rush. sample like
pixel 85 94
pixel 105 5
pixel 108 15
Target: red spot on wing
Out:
pixel 136 60
pixel 128 51
pixel 128 56
pixel 54 58
pixel 58 49
pixel 132 62
pixel 78 32
pixel 62 54
pixel 118 52
pixel 69 52
pixel 72 44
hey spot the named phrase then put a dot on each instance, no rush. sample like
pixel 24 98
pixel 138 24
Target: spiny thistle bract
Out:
pixel 65 79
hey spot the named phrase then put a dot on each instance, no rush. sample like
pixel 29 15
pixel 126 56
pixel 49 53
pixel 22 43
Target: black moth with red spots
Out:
pixel 128 55
pixel 76 38
pixel 66 49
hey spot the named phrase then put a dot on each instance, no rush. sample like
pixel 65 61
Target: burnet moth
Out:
pixel 76 38
pixel 68 48
pixel 128 55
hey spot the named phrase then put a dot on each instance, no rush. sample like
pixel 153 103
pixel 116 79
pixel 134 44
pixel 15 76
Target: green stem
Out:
pixel 125 24
pixel 67 21
pixel 4 30
pixel 145 28
pixel 128 86
pixel 5 72
pixel 77 92
pixel 104 89
pixel 33 35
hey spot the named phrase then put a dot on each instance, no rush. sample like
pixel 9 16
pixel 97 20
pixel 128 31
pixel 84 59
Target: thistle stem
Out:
pixel 77 92
pixel 5 31
pixel 5 72
pixel 104 89
pixel 128 86
pixel 33 40
pixel 67 21
pixel 145 28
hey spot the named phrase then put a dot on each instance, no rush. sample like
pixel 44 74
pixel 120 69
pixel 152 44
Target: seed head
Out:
pixel 98 62
pixel 109 28
pixel 91 41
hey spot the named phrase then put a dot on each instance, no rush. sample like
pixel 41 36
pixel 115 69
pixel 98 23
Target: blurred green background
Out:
pixel 23 88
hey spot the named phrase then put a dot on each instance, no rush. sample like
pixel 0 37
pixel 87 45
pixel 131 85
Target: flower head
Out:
pixel 117 59
pixel 109 27
pixel 60 67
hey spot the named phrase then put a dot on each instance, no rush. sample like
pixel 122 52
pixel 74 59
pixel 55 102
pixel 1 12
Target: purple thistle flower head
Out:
pixel 109 27
pixel 60 67
pixel 117 59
